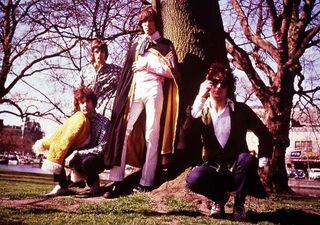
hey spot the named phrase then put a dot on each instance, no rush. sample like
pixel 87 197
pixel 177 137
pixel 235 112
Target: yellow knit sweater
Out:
pixel 74 133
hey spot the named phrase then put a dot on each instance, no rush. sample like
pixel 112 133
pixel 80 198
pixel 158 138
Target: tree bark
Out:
pixel 196 30
pixel 283 34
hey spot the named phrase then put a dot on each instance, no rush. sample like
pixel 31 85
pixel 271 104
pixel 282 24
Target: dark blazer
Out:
pixel 243 119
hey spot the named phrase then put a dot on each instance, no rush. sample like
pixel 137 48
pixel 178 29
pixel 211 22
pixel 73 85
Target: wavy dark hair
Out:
pixel 84 93
pixel 223 68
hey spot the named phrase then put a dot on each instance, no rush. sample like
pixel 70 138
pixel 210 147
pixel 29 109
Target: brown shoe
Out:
pixel 239 213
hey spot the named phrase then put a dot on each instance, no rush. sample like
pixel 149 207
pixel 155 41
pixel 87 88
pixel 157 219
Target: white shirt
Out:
pixel 156 69
pixel 221 121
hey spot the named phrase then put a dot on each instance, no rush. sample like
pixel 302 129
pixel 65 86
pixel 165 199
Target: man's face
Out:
pixel 149 26
pixel 219 86
pixel 99 56
pixel 86 106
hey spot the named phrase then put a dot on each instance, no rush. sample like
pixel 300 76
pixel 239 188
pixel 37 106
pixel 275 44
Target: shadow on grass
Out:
pixel 189 213
pixel 20 221
pixel 284 216
pixel 5 221
pixel 281 216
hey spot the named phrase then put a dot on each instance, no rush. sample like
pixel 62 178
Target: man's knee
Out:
pixel 92 164
pixel 196 177
pixel 246 160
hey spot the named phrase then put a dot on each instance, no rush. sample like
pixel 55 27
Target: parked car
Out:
pixel 314 173
pixel 297 174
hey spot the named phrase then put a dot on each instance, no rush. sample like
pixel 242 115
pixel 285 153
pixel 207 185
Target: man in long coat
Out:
pixel 145 113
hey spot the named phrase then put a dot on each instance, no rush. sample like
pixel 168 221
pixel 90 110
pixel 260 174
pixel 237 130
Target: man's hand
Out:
pixel 263 162
pixel 139 65
pixel 205 88
pixel 69 160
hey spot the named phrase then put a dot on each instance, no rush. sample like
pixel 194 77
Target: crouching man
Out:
pixel 223 124
pixel 75 150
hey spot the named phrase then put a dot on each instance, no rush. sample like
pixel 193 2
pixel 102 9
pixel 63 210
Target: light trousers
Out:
pixel 150 98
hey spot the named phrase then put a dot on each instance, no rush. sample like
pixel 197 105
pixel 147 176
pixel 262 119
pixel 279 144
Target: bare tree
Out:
pixel 266 39
pixel 44 44
pixel 28 46
pixel 270 46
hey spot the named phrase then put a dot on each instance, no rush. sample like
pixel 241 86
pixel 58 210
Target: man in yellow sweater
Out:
pixel 75 150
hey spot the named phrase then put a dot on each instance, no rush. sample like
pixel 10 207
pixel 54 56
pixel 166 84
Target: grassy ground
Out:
pixel 22 201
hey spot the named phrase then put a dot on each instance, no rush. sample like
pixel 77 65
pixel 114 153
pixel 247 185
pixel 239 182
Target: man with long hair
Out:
pixel 100 76
pixel 223 123
pixel 145 112
pixel 77 146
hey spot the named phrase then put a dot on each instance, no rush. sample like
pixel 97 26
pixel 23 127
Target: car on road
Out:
pixel 297 174
pixel 314 173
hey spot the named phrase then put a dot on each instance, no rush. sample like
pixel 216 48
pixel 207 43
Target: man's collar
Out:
pixel 229 103
pixel 154 36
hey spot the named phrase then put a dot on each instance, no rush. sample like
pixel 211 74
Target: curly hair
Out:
pixel 225 69
pixel 82 93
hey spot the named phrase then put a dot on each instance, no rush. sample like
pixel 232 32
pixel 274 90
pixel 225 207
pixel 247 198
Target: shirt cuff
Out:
pixel 197 106
pixel 263 161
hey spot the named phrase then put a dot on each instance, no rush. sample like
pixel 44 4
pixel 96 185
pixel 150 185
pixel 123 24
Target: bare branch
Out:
pixel 262 43
pixel 242 61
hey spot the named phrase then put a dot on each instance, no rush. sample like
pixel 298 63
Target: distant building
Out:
pixel 304 149
pixel 19 138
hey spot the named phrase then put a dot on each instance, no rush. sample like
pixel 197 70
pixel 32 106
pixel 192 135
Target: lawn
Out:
pixel 22 201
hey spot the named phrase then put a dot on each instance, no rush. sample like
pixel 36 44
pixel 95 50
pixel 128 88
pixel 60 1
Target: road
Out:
pixel 305 186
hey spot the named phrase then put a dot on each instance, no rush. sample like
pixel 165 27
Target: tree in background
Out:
pixel 271 41
pixel 44 44
pixel 268 40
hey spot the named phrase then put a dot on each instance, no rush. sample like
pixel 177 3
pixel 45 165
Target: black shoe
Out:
pixel 140 188
pixel 114 192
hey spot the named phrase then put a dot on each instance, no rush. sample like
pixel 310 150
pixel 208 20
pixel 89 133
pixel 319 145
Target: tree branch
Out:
pixel 250 35
pixel 242 61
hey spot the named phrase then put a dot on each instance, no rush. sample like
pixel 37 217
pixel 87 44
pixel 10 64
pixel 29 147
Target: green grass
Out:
pixel 17 185
pixel 133 209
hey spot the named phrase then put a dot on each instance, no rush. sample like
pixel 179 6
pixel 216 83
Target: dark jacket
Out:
pixel 243 119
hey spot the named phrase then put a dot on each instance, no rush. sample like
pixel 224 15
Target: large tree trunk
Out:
pixel 278 111
pixel 196 30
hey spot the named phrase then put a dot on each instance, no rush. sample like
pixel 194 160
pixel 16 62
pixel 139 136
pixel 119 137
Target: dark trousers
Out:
pixel 90 166
pixel 243 179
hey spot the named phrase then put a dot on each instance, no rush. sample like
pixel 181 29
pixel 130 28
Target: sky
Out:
pixel 48 126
